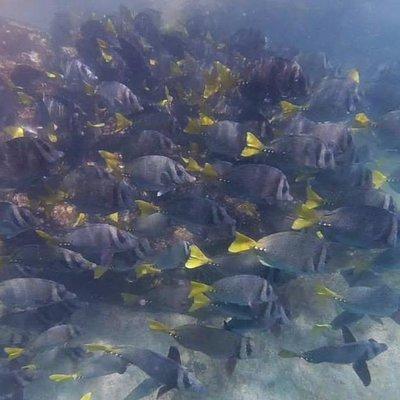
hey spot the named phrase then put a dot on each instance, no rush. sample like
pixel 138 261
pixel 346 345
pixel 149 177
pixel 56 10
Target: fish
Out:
pixel 57 336
pixel 376 302
pixel 346 225
pixel 15 220
pixel 259 183
pixel 308 253
pixel 158 174
pixel 165 373
pixel 215 342
pixel 351 351
pixel 118 98
pixel 26 294
pixel 96 191
pixel 98 242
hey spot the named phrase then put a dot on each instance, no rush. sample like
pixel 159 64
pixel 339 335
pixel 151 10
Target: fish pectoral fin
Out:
pixel 230 365
pixel 174 354
pixel 348 337
pixel 163 389
pixel 144 389
pixel 361 369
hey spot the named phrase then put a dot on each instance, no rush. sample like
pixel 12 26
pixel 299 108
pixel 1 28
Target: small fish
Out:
pixel 352 352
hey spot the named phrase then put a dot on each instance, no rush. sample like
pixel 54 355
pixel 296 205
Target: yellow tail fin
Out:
pixel 113 161
pixel 199 288
pixel 323 291
pixel 289 109
pixel 14 131
pixel 307 218
pixel 97 126
pixel 62 378
pixel 129 298
pixel 361 120
pixel 146 208
pixel 99 271
pixel 378 179
pixel 193 166
pixel 196 258
pixel 314 200
pixel 14 352
pixel 122 122
pixel 253 146
pixel 241 243
pixel 354 75
pixel 158 326
pixel 199 301
pixel 45 236
pixel 101 347
pixel 146 269
pixel 87 396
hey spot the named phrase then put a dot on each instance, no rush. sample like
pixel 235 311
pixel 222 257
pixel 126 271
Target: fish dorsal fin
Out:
pixel 348 337
pixel 241 243
pixel 253 145
pixel 174 354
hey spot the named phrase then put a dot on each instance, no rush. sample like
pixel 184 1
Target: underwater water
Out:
pixel 199 200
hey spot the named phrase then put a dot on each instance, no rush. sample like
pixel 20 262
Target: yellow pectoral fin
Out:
pixel 196 258
pixel 241 243
pixel 158 326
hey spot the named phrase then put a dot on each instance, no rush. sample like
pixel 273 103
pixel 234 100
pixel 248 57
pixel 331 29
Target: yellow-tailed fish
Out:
pixel 196 258
pixel 122 122
pixel 253 146
pixel 241 243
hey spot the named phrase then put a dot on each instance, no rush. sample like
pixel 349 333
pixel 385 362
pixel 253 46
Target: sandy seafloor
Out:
pixel 267 377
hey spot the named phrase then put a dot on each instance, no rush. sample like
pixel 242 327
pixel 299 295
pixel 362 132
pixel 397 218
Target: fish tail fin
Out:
pixel 99 271
pixel 200 300
pixel 159 326
pixel 146 208
pixel 209 171
pixel 87 396
pixel 319 328
pixel 196 258
pixel 61 378
pixel 288 109
pixel 14 352
pixel 306 218
pixel 199 288
pixel 284 353
pixel 378 179
pixel 323 291
pixel 241 243
pixel 121 122
pixel 130 299
pixel 113 161
pixel 147 269
pixel 361 120
pixel 45 236
pixel 314 200
pixel 354 75
pixel 253 146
